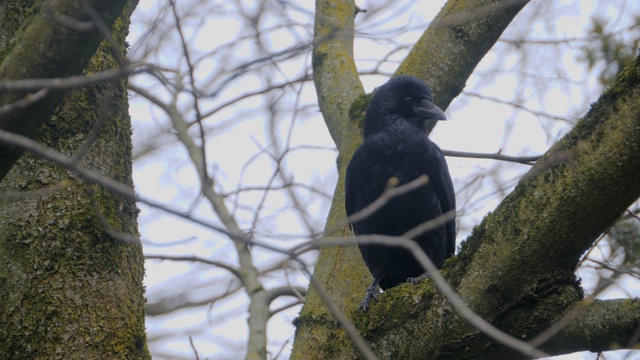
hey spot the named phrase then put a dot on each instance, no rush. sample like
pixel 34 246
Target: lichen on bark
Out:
pixel 70 290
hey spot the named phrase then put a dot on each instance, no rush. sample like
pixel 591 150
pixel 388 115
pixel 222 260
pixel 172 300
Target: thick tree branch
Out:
pixel 99 311
pixel 51 46
pixel 334 71
pixel 558 210
pixel 457 39
pixel 603 325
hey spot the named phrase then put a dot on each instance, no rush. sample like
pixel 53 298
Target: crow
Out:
pixel 395 151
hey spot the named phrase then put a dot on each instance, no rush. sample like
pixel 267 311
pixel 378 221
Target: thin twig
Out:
pixel 204 177
pixel 194 258
pixel 527 160
pixel 430 225
pixel 517 105
pixel 95 177
pixel 26 101
pixel 562 323
pixel 193 347
pixel 66 83
pixel 386 196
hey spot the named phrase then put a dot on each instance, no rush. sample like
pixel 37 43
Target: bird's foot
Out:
pixel 417 279
pixel 372 293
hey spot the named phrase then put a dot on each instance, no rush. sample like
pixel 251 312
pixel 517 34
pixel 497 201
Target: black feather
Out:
pixel 396 145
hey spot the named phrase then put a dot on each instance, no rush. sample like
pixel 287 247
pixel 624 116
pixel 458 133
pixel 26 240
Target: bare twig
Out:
pixel 277 292
pixel 95 177
pixel 70 82
pixel 108 228
pixel 26 101
pixel 387 195
pixel 562 323
pixel 204 177
pixel 285 307
pixel 193 347
pixel 199 259
pixel 527 160
pixel 518 105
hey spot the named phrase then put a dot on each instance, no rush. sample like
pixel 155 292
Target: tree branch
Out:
pixel 334 71
pixel 527 160
pixel 603 325
pixel 540 227
pixel 457 39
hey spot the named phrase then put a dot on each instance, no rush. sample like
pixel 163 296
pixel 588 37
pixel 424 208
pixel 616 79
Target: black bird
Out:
pixel 396 146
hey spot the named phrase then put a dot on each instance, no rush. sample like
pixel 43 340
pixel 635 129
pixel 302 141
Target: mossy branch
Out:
pixel 57 41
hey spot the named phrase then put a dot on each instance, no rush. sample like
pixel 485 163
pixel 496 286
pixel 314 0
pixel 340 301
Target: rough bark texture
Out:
pixel 602 325
pixel 44 47
pixel 338 85
pixel 68 289
pixel 516 269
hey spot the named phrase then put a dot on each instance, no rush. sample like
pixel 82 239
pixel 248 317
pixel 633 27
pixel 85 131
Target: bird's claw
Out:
pixel 372 293
pixel 417 279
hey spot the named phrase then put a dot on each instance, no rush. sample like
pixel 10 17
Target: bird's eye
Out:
pixel 408 99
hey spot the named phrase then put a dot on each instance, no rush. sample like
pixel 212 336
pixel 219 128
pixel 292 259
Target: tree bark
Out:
pixel 69 288
pixel 49 40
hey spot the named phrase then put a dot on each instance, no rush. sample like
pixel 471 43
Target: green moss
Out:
pixel 394 307
pixel 358 109
pixel 317 59
pixel 60 270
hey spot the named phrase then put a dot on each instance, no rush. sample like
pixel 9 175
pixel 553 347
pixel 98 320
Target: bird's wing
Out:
pixel 350 184
pixel 358 179
pixel 446 195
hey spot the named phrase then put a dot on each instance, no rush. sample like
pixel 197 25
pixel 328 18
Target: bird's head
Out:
pixel 402 97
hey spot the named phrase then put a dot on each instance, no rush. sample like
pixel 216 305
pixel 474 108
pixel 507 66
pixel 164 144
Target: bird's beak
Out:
pixel 429 110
